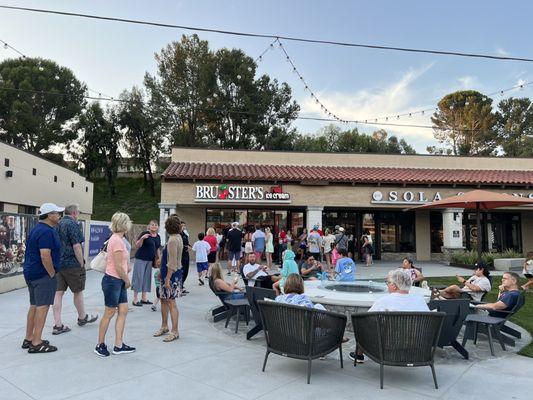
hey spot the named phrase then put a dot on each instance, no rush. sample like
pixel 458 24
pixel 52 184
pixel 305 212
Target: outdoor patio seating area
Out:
pixel 210 360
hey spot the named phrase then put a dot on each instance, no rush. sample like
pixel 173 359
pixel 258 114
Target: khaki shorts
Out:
pixel 73 278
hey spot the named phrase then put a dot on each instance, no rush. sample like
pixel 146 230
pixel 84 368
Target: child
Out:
pixel 289 267
pixel 157 281
pixel 345 267
pixel 201 249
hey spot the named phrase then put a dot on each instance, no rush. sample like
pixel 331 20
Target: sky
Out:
pixel 353 83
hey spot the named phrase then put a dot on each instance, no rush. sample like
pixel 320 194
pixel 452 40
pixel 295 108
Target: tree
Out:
pixel 465 123
pixel 332 139
pixel 515 127
pixel 179 93
pixel 38 99
pixel 140 136
pixel 213 99
pixel 98 143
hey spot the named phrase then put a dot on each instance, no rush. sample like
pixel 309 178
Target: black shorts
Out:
pixel 528 276
pixel 42 291
pixel 212 257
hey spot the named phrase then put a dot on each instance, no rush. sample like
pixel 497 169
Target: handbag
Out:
pixel 99 262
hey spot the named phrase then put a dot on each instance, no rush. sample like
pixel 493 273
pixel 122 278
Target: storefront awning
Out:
pixel 384 175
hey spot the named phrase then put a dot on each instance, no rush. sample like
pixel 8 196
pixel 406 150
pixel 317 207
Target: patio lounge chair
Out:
pixel 491 326
pixel 253 294
pixel 456 312
pixel 401 339
pixel 300 332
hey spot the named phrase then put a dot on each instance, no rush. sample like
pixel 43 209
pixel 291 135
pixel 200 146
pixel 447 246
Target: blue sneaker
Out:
pixel 125 349
pixel 101 350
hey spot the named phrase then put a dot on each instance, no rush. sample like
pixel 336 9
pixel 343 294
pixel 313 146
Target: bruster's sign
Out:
pixel 249 194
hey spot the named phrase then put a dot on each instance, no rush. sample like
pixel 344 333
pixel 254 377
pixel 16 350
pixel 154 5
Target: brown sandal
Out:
pixel 161 332
pixel 171 337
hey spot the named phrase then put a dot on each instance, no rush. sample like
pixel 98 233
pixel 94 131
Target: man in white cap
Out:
pixel 42 259
pixel 341 240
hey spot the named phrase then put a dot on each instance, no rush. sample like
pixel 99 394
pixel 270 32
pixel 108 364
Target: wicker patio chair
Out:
pixel 456 311
pixel 401 339
pixel 300 332
pixel 253 294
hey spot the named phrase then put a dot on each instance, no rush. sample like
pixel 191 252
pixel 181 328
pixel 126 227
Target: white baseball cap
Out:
pixel 48 208
pixel 341 229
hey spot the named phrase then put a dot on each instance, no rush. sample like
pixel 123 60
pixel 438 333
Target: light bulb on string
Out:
pixel 287 59
pixel 294 69
pixel 386 118
pixel 376 120
pixel 239 77
pixel 397 117
pixel 501 93
pixel 410 115
pixel 6 46
pixel 260 58
pixel 215 95
pixel 56 77
pixel 271 46
pixel 72 84
pixel 41 68
pixel 280 44
pixel 249 69
pixel 422 112
pixel 521 87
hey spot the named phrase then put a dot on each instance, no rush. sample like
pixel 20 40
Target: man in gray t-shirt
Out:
pixel 341 240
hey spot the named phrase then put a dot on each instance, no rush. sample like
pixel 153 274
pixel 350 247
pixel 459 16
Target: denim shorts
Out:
pixel 42 291
pixel 202 266
pixel 114 291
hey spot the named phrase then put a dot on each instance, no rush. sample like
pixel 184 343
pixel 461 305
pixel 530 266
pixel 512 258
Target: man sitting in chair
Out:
pixel 399 284
pixel 252 271
pixel 508 297
pixel 475 286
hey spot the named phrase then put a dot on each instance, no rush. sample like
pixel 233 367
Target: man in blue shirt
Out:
pixel 508 297
pixel 345 267
pixel 42 261
pixel 72 272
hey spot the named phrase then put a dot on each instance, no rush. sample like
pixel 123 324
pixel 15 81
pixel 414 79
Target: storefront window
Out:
pixel 260 218
pixel 297 222
pixel 219 218
pixel 14 230
pixel 501 231
pixel 397 232
pixel 437 239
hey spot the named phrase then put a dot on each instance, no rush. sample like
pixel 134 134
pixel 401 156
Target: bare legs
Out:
pixel 58 305
pixel 269 260
pixel 35 323
pixel 169 307
pixel 451 292
pixel 328 260
pixel 119 324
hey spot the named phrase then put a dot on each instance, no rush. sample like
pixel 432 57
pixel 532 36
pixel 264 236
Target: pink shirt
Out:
pixel 116 243
pixel 335 256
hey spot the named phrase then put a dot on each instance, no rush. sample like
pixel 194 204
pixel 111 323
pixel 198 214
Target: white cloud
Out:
pixel 501 52
pixel 467 82
pixel 368 104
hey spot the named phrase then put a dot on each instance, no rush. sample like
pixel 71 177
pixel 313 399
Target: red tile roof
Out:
pixel 293 173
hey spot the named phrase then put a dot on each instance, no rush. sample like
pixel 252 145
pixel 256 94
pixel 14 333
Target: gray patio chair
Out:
pixel 300 332
pixel 491 326
pixel 456 312
pixel 253 294
pixel 401 339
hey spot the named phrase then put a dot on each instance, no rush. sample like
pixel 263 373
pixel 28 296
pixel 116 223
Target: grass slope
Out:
pixel 132 197
pixel 524 317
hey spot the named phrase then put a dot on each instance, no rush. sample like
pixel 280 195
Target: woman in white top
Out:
pixel 366 247
pixel 269 246
pixel 327 242
pixel 475 286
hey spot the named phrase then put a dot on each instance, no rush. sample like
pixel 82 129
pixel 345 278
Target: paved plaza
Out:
pixel 210 362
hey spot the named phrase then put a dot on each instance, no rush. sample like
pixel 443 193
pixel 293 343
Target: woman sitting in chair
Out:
pixel 416 275
pixel 234 292
pixel 475 286
pixel 294 293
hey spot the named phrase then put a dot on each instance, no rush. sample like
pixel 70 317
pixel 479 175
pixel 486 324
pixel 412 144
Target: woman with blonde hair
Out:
pixel 269 247
pixel 234 292
pixel 211 238
pixel 114 285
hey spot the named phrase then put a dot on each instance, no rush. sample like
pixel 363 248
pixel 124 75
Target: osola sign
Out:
pixel 416 197
pixel 247 194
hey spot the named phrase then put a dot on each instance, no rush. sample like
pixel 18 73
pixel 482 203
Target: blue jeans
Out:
pixel 114 291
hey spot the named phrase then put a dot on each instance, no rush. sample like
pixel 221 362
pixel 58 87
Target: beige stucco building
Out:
pixel 290 191
pixel 26 181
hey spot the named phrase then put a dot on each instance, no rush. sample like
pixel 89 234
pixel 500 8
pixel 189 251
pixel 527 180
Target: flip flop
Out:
pixel 161 332
pixel 171 337
pixel 138 304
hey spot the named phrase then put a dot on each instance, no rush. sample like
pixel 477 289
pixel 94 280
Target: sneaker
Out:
pixel 358 358
pixel 101 350
pixel 125 349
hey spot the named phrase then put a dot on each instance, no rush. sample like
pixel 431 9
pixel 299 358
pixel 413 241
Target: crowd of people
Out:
pixel 54 263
